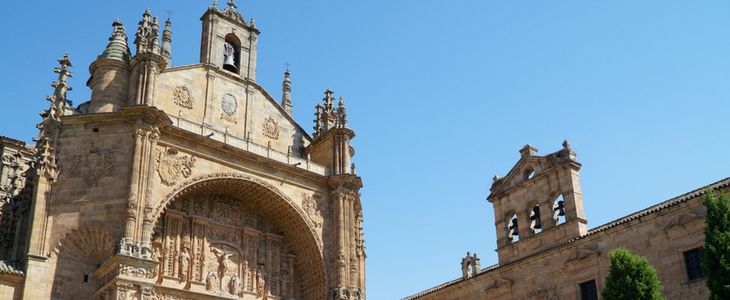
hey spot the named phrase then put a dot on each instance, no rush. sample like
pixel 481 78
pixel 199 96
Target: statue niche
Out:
pixel 216 244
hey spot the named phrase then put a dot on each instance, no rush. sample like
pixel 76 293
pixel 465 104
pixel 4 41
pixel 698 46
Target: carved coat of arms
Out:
pixel 271 128
pixel 182 97
pixel 172 167
pixel 93 166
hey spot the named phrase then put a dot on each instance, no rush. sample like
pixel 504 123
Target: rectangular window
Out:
pixel 692 262
pixel 588 290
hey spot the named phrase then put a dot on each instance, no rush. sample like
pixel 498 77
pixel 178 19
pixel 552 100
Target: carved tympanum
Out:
pixel 219 243
pixel 171 166
pixel 271 128
pixel 182 97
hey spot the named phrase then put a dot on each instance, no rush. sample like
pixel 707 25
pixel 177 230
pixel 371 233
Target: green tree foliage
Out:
pixel 716 253
pixel 631 277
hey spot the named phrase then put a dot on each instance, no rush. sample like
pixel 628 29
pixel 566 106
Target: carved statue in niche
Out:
pixel 184 258
pixel 234 285
pixel 261 281
pixel 246 274
pixel 284 285
pixel 211 280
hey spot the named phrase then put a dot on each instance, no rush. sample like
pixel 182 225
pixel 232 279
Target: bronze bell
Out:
pixel 229 61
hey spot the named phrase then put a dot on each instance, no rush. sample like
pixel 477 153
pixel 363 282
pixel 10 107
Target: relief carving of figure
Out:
pixel 310 206
pixel 234 285
pixel 245 275
pixel 284 286
pixel 261 281
pixel 223 260
pixel 210 281
pixel 184 258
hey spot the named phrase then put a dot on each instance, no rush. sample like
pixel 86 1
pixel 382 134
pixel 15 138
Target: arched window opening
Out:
pixel 559 210
pixel 232 53
pixel 535 224
pixel 512 229
pixel 529 173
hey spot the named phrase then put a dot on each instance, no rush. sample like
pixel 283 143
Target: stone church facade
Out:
pixel 546 251
pixel 184 182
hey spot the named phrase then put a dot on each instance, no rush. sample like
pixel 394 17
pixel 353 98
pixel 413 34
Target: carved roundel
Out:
pixel 229 104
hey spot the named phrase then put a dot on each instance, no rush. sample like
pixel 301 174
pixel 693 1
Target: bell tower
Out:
pixel 538 204
pixel 228 42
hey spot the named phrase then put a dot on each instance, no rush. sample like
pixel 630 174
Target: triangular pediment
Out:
pixel 529 167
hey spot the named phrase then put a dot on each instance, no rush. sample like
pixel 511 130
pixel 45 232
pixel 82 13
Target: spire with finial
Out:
pixel 566 144
pixel 156 33
pixel 117 48
pixel 147 34
pixel 286 102
pixel 167 41
pixel 58 99
pixel 341 113
pixel 50 126
pixel 215 5
pixel 326 115
pixel 328 100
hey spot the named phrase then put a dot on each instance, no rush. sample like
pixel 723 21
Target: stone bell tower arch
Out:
pixel 538 204
pixel 226 33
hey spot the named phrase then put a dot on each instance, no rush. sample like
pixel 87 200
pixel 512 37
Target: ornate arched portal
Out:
pixel 234 235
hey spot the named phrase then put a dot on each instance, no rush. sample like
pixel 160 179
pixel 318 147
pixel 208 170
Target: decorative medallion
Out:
pixel 94 166
pixel 171 167
pixel 182 97
pixel 311 207
pixel 8 159
pixel 271 128
pixel 229 104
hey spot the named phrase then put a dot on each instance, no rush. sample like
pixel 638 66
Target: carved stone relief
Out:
pixel 8 159
pixel 219 243
pixel 182 97
pixel 94 166
pixel 271 128
pixel 311 207
pixel 171 166
pixel 229 106
pixel 139 272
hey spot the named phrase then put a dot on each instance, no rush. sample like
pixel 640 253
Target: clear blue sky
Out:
pixel 443 94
